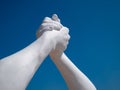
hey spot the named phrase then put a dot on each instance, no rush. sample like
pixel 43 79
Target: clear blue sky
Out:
pixel 95 38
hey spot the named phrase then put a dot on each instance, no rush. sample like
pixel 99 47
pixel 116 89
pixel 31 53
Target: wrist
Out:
pixel 55 56
pixel 44 44
pixel 49 37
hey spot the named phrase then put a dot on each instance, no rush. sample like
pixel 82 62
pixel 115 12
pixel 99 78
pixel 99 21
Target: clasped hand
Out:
pixel 59 33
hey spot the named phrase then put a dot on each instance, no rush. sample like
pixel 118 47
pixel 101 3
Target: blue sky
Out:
pixel 95 38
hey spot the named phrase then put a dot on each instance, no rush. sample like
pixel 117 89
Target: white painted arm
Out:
pixel 17 70
pixel 75 79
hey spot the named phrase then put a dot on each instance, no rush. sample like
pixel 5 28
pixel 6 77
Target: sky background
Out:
pixel 94 46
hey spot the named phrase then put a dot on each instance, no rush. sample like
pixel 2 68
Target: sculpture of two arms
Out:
pixel 17 70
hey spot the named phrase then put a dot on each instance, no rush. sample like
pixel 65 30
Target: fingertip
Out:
pixel 55 17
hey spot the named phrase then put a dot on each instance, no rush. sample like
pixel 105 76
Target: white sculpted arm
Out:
pixel 75 79
pixel 17 70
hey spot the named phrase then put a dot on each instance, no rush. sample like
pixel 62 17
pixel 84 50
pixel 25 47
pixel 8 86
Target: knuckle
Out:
pixel 42 25
pixel 45 25
pixel 57 23
pixel 47 19
pixel 50 25
pixel 65 29
pixel 69 37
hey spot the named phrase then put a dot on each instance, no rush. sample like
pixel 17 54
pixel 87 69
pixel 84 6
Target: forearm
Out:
pixel 17 70
pixel 36 53
pixel 74 78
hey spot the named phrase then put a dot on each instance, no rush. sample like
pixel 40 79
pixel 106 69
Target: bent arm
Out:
pixel 74 78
